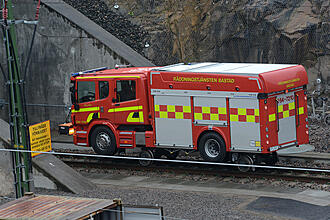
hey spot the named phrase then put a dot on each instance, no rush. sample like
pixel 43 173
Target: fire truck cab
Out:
pixel 240 112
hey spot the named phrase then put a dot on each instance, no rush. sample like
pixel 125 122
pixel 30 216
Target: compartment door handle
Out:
pixel 277 118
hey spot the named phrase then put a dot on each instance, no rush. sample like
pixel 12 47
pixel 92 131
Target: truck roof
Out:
pixel 249 77
pixel 252 69
pixel 225 68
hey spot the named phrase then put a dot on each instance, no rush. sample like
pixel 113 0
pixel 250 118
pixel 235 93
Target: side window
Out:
pixel 125 90
pixel 86 91
pixel 103 89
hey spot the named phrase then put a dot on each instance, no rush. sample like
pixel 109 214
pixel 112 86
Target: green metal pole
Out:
pixel 18 123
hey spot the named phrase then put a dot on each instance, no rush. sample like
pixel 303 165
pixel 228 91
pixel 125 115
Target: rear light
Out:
pixel 71 131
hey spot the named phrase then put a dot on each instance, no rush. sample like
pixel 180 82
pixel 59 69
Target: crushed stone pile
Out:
pixel 116 24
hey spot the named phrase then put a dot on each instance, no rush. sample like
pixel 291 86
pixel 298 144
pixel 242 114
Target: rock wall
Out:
pixel 267 31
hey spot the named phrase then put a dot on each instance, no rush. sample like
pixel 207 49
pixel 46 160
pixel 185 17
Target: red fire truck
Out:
pixel 239 112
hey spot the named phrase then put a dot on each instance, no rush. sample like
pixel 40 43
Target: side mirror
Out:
pixel 73 93
pixel 73 98
pixel 76 107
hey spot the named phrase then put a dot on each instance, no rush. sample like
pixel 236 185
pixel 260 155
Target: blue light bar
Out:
pixel 88 71
pixel 74 74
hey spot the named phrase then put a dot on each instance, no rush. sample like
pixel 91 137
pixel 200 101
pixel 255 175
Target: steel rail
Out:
pixel 174 161
pixel 196 169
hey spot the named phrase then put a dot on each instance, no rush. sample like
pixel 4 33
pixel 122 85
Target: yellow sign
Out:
pixel 40 139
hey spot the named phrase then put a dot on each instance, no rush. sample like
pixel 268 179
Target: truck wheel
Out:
pixel 146 154
pixel 212 147
pixel 103 141
pixel 246 160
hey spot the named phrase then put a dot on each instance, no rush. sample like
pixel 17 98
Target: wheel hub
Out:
pixel 103 140
pixel 212 148
pixel 246 160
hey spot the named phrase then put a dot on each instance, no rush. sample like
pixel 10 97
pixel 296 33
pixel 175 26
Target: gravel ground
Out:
pixel 116 24
pixel 308 164
pixel 281 183
pixel 182 204
pixel 319 136
pixel 177 204
pixel 253 182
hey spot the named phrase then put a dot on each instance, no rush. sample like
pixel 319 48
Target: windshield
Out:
pixel 86 91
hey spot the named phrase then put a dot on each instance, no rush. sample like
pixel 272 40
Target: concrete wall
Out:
pixel 6 174
pixel 60 48
pixel 6 170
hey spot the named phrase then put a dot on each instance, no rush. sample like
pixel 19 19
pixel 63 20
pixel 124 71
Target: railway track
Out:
pixel 195 167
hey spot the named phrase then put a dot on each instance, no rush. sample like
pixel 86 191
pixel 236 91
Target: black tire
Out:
pixel 212 147
pixel 146 154
pixel 103 141
pixel 246 160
